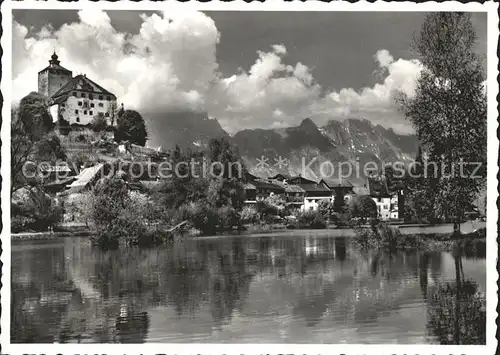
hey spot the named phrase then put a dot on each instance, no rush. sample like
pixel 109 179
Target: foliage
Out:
pixel 311 219
pixel 78 207
pixel 63 126
pixel 114 215
pixel 31 144
pixel 448 112
pixel 249 215
pixel 132 128
pixel 99 123
pixel 327 210
pixel 363 207
pixel 227 218
pixel 32 209
pixel 35 116
pixel 457 313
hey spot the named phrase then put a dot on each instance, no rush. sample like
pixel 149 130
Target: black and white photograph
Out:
pixel 248 177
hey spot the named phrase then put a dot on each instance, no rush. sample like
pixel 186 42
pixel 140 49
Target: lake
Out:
pixel 266 289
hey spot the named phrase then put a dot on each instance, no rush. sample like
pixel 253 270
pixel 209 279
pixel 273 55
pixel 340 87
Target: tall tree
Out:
pixel 131 127
pixel 448 109
pixel 32 141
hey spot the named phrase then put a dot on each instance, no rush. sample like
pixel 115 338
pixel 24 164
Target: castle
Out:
pixel 75 99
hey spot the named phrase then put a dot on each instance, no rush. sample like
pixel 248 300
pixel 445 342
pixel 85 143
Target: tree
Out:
pixel 131 127
pixel 99 123
pixel 326 209
pixel 31 144
pixel 363 207
pixel 448 110
pixel 35 116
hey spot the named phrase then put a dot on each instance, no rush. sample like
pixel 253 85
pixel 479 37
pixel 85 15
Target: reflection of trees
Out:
pixel 39 293
pixel 457 311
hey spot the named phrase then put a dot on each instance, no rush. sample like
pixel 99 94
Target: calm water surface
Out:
pixel 244 290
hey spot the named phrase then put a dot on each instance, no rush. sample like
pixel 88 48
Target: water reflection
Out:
pixel 307 289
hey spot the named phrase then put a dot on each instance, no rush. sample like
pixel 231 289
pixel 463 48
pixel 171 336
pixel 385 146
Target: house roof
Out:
pixel 87 175
pixel 287 187
pixel 314 188
pixel 55 168
pixel 81 82
pixel 299 180
pixel 263 184
pixel 281 176
pixel 294 188
pixel 361 190
pixel 333 182
pixel 248 186
pixel 55 66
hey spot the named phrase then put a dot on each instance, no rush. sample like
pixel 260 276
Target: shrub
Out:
pixel 99 123
pixel 364 208
pixel 311 219
pixel 227 218
pixel 35 210
pixel 249 215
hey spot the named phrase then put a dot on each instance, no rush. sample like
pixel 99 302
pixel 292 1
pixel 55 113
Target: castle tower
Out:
pixel 53 77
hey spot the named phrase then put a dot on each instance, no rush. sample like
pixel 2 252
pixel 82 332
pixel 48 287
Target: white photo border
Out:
pixel 247 349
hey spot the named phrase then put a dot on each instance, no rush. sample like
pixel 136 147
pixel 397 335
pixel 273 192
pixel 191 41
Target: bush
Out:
pixel 228 218
pixel 249 215
pixel 364 208
pixel 35 210
pixel 311 219
pixel 99 123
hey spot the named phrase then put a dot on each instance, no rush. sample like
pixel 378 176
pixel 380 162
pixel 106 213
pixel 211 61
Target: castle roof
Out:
pixel 55 66
pixel 81 82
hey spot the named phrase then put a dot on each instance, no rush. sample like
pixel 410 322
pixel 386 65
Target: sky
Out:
pixel 247 69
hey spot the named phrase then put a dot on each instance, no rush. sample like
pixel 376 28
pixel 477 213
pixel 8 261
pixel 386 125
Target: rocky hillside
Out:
pixel 186 129
pixel 350 141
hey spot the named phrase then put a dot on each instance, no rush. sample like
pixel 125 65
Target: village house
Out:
pixel 389 199
pixel 314 192
pixel 341 188
pixel 75 99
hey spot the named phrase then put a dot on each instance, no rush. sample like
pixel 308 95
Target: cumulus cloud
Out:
pixel 171 66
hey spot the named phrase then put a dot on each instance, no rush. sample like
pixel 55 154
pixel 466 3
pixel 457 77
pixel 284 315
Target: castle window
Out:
pixel 76 112
pixel 101 104
pixel 106 114
pixel 91 113
pixel 100 97
pixel 85 112
pixel 75 94
pixel 83 94
pixel 91 105
pixel 79 103
pixel 78 119
pixel 91 96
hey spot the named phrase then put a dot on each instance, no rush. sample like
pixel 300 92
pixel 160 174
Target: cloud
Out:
pixel 171 66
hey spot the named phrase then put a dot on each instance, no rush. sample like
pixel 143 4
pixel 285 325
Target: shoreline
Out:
pixel 409 229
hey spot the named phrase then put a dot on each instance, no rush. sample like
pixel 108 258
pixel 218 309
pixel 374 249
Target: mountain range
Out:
pixel 354 142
